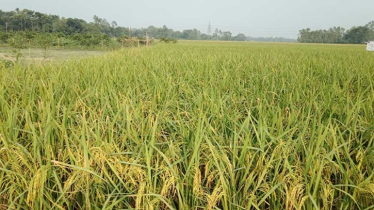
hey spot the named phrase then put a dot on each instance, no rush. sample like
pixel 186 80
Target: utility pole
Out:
pixel 209 29
pixel 6 27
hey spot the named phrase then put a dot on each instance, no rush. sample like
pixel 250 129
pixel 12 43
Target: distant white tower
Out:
pixel 209 29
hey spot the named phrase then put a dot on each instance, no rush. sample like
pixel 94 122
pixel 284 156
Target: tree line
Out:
pixel 271 39
pixel 31 21
pixel 19 40
pixel 100 32
pixel 355 35
pixel 59 40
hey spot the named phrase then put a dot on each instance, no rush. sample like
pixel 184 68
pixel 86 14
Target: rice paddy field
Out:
pixel 193 125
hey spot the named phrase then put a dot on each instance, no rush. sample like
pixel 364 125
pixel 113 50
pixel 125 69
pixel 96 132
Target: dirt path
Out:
pixel 6 57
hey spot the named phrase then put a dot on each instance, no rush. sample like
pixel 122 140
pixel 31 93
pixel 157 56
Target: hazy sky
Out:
pixel 251 17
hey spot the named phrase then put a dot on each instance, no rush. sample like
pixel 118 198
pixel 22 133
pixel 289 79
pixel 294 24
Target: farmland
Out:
pixel 33 55
pixel 193 125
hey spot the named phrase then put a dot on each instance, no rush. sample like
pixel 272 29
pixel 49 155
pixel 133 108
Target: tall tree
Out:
pixel 358 35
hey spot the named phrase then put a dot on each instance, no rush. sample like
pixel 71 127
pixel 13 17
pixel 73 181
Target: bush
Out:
pixel 168 40
pixel 4 38
pixel 6 63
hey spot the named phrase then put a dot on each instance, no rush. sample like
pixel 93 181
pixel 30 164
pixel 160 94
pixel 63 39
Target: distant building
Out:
pixel 370 46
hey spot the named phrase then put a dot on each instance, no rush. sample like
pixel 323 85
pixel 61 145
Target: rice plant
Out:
pixel 195 125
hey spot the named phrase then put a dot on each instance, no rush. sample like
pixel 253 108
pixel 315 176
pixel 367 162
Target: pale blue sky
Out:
pixel 252 17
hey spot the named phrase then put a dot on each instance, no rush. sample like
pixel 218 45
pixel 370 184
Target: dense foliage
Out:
pixel 20 40
pixel 356 35
pixel 28 20
pixel 191 126
pixel 270 39
pixel 168 40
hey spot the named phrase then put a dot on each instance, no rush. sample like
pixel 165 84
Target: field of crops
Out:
pixel 193 125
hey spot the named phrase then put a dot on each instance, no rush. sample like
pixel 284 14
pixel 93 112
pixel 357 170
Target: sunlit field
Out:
pixel 192 125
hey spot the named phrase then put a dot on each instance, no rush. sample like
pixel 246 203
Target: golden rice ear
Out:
pixel 168 182
pixel 214 198
pixel 294 188
pixel 36 186
pixel 328 195
pixel 197 182
pixel 140 195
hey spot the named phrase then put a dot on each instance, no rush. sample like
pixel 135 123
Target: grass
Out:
pixel 196 125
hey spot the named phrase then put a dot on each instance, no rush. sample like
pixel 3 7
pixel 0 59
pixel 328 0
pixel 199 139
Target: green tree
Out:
pixel 205 37
pixel 17 43
pixel 358 35
pixel 370 25
pixel 240 37
pixel 74 25
pixel 4 37
pixel 226 36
